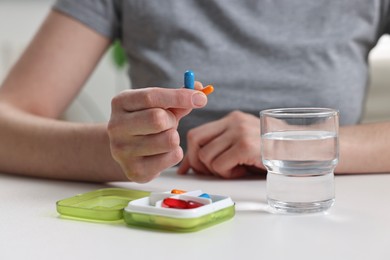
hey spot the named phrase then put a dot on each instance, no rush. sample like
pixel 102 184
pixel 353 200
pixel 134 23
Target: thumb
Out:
pixel 198 99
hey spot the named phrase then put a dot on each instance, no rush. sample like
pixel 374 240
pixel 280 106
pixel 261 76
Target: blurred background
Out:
pixel 19 20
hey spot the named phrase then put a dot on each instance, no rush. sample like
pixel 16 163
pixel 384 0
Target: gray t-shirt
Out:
pixel 258 54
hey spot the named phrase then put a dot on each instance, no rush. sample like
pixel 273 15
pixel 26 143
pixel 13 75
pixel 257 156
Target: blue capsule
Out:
pixel 189 79
pixel 204 195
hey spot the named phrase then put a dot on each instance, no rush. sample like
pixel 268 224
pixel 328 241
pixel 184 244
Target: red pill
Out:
pixel 193 204
pixel 180 204
pixel 175 203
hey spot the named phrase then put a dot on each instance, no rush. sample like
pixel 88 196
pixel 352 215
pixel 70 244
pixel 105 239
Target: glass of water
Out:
pixel 300 149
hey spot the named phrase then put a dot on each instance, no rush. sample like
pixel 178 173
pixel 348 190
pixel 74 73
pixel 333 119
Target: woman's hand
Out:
pixel 226 148
pixel 143 129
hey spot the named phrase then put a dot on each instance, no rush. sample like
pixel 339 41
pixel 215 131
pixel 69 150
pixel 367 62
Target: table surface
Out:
pixel 356 227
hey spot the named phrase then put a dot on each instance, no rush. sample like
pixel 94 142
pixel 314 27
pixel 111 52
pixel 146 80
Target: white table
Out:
pixel 357 227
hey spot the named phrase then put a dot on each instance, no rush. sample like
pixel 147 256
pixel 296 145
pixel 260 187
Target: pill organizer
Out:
pixel 149 209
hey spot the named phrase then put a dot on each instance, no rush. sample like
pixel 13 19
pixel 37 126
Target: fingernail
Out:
pixel 199 99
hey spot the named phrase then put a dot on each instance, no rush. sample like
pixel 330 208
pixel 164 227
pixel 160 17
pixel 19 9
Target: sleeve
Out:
pixel 103 16
pixel 385 28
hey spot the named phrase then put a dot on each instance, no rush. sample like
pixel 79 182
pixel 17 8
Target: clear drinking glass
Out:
pixel 300 150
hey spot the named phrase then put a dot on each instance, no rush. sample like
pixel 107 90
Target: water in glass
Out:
pixel 300 176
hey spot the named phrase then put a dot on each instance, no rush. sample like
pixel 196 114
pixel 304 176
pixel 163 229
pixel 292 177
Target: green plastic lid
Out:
pixel 100 205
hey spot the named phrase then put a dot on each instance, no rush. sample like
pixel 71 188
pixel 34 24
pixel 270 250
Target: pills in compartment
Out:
pixel 179 199
pixel 174 203
pixel 176 191
pixel 193 204
pixel 180 204
pixel 204 195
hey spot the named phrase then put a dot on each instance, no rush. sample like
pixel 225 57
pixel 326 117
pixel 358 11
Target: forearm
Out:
pixel 364 148
pixel 42 147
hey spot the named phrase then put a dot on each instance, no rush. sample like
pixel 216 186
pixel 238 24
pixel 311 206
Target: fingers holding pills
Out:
pixel 142 129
